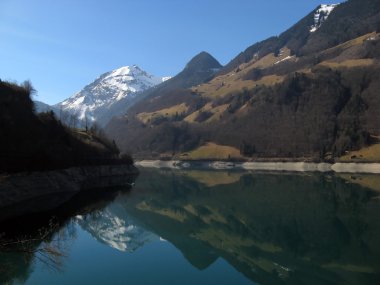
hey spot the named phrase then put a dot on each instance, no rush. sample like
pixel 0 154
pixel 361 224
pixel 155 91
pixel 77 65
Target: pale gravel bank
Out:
pixel 265 166
pixel 356 167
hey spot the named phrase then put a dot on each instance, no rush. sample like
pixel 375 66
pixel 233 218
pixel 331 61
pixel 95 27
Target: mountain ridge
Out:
pixel 336 29
pixel 93 101
pixel 201 68
pixel 277 103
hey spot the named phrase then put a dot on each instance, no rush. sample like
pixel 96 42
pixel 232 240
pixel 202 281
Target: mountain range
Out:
pixel 309 93
pixel 95 100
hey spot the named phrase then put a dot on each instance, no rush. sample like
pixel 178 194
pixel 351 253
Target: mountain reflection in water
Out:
pixel 274 228
pixel 114 227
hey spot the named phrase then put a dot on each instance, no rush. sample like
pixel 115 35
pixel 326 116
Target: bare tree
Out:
pixel 73 120
pixel 64 117
pixel 86 121
pixel 27 85
pixel 49 247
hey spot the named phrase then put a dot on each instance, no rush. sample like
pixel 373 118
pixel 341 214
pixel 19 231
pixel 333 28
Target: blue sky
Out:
pixel 63 45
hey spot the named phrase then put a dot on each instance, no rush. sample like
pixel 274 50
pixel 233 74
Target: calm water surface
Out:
pixel 203 227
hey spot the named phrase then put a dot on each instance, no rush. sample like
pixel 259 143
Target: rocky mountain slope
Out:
pixel 95 99
pixel 310 93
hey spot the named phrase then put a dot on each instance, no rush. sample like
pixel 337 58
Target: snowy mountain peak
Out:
pixel 133 71
pixel 131 78
pixel 97 97
pixel 115 228
pixel 321 15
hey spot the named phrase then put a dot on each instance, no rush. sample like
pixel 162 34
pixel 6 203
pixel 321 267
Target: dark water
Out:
pixel 201 227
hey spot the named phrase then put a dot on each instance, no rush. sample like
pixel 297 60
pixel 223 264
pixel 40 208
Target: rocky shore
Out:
pixel 33 192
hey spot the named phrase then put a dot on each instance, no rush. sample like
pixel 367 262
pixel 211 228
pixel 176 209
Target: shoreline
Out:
pixel 27 193
pixel 339 167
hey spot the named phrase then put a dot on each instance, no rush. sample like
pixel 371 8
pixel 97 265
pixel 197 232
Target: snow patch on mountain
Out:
pixel 109 88
pixel 165 78
pixel 321 15
pixel 121 233
pixel 284 59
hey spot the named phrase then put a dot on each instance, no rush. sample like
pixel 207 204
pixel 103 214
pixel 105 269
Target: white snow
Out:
pixel 165 78
pixel 118 232
pixel 78 101
pixel 321 15
pixel 284 59
pixel 121 71
pixel 126 81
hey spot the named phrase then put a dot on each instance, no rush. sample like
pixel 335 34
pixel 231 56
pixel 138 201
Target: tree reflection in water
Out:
pixel 48 246
pixel 46 238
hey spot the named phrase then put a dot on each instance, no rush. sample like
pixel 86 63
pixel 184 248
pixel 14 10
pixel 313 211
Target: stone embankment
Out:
pixel 25 193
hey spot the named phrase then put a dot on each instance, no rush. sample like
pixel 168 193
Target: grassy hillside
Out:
pixel 282 98
pixel 316 109
pixel 39 142
pixel 349 20
pixel 212 151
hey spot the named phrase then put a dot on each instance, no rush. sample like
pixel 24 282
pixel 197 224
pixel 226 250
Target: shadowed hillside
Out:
pixel 40 142
pixel 307 94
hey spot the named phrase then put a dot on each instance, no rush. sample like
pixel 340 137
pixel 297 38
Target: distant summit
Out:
pixel 96 98
pixel 199 69
pixel 203 62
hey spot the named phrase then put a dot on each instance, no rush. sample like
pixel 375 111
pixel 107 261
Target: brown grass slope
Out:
pixel 316 104
pixel 349 20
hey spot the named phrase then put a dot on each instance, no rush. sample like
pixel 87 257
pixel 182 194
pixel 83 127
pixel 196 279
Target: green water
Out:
pixel 203 227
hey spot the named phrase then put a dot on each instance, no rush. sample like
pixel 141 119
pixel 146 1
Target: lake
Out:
pixel 205 227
